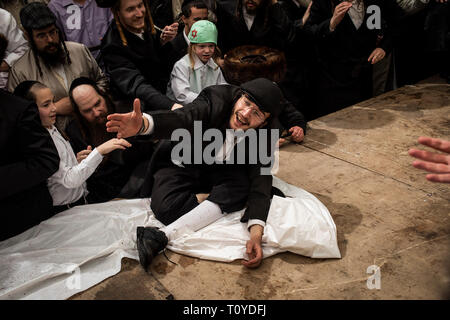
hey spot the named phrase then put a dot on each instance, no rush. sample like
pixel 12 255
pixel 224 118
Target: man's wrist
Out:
pixel 142 129
pixel 256 231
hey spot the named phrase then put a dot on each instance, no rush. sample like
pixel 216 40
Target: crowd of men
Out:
pixel 98 57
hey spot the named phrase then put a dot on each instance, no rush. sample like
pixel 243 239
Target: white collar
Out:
pixel 186 38
pixel 52 129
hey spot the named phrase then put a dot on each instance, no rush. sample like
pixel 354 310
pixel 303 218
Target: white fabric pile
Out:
pixel 81 247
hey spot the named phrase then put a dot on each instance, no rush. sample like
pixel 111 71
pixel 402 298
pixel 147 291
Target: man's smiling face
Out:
pixel 246 114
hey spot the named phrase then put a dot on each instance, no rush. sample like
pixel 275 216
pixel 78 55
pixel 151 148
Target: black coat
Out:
pixel 179 49
pixel 213 107
pixel 138 70
pixel 28 158
pixel 276 32
pixel 344 74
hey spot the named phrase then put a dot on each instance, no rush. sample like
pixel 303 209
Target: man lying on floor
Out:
pixel 178 182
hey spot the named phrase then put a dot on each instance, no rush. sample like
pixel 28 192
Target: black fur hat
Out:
pixel 265 94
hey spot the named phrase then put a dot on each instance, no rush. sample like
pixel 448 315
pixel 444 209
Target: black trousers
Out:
pixel 174 189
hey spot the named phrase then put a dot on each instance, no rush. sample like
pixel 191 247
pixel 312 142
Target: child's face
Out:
pixel 46 106
pixel 204 51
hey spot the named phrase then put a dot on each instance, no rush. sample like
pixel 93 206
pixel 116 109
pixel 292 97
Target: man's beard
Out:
pixel 53 59
pixel 252 10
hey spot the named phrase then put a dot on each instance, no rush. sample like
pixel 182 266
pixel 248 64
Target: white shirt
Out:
pixel 186 83
pixel 17 44
pixel 356 13
pixel 186 38
pixel 68 184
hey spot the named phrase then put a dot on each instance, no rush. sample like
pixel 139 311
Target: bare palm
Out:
pixel 126 124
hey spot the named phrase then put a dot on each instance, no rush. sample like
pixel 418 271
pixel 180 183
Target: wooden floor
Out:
pixel 387 215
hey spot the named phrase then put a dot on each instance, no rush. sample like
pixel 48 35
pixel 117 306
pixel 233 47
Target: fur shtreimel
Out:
pixel 246 63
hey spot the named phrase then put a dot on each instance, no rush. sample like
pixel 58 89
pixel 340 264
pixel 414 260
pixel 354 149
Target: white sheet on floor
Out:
pixel 81 247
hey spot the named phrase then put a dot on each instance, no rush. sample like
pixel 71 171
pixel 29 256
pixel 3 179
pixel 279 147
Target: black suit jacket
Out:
pixel 340 51
pixel 179 49
pixel 277 32
pixel 213 107
pixel 28 158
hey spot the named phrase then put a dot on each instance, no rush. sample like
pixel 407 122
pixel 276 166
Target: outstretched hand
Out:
pixel 112 145
pixel 126 124
pixel 437 163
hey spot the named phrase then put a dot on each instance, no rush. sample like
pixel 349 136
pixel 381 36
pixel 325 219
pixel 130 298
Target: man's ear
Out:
pixel 27 36
pixel 183 18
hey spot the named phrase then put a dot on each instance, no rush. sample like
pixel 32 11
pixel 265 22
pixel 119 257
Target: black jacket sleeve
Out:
pixel 38 155
pixel 319 19
pixel 212 106
pixel 291 117
pixel 258 203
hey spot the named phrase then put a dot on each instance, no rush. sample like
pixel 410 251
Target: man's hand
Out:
pixel 377 55
pixel 339 12
pixel 434 162
pixel 169 33
pixel 126 124
pixel 176 106
pixel 254 249
pixel 297 135
pixel 83 154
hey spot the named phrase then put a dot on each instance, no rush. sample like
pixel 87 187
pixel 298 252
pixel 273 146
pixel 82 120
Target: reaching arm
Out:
pixel 75 176
pixel 438 164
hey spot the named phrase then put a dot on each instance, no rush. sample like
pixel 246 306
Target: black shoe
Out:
pixel 150 241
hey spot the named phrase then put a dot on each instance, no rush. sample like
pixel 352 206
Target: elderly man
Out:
pixel 179 185
pixel 16 44
pixel 136 55
pixel 51 60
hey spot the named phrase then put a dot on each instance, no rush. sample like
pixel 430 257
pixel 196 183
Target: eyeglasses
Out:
pixel 254 112
pixel 43 35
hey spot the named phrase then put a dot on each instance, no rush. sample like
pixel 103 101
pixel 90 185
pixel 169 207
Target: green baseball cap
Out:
pixel 203 31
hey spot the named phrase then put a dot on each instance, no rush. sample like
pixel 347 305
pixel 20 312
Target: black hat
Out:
pixel 106 3
pixel 36 15
pixel 265 94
